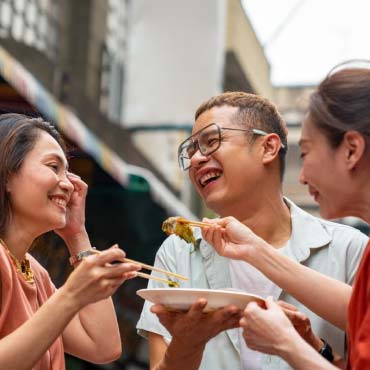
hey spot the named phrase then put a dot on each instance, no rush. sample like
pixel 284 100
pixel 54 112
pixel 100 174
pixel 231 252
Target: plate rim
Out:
pixel 195 290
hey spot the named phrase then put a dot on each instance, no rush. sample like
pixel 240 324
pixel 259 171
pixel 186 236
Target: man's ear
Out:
pixel 354 145
pixel 271 147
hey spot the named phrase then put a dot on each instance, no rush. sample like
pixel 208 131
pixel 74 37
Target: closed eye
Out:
pixel 211 141
pixel 53 166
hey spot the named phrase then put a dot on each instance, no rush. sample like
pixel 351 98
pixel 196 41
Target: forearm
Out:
pixel 301 356
pixel 99 322
pixel 37 334
pixel 325 296
pixel 177 357
pixel 78 242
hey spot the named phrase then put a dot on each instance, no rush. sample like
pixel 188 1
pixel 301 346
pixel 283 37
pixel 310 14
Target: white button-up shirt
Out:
pixel 330 248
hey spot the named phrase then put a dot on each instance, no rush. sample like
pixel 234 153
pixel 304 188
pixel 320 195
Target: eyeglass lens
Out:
pixel 208 142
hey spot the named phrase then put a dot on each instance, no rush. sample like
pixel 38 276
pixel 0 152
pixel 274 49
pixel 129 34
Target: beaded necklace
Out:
pixel 23 267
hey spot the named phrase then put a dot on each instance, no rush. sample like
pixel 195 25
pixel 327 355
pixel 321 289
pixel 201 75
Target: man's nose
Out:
pixel 198 158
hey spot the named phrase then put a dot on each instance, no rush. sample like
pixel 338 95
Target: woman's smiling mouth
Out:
pixel 60 201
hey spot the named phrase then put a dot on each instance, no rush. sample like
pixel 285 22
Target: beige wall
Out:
pixel 292 102
pixel 242 41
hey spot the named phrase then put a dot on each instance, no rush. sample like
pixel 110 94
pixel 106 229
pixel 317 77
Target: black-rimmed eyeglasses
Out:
pixel 208 141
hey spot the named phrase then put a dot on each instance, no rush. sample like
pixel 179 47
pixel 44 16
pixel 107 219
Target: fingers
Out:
pixel 196 324
pixel 214 236
pixel 158 309
pixel 72 175
pixel 295 316
pixel 286 305
pixel 79 185
pixel 166 317
pixel 196 310
pixel 222 222
pixel 227 317
pixel 213 221
pixel 270 302
pixel 251 310
pixel 299 320
pixel 121 270
pixel 105 259
pixel 108 256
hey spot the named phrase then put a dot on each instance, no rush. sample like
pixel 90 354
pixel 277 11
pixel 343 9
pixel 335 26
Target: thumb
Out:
pixel 270 304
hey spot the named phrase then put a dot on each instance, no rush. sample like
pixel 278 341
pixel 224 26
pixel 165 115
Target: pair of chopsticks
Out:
pixel 152 277
pixel 147 276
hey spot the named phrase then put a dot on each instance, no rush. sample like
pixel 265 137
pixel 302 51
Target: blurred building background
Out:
pixel 122 79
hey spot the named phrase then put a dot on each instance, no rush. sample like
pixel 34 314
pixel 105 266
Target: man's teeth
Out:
pixel 209 175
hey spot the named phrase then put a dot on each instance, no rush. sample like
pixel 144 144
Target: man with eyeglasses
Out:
pixel 236 161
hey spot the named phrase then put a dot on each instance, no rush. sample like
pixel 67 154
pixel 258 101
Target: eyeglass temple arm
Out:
pixel 264 133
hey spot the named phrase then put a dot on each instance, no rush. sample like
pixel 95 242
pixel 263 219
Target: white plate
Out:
pixel 182 299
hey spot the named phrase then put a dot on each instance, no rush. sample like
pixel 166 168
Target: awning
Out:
pixel 75 130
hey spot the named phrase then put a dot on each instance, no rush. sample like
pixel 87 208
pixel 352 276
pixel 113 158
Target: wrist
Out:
pixel 77 242
pixel 326 351
pixel 70 300
pixel 179 351
pixel 293 345
pixel 78 257
pixel 261 254
pixel 187 348
pixel 315 342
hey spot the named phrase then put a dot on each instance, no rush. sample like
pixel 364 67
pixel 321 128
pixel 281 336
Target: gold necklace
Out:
pixel 23 267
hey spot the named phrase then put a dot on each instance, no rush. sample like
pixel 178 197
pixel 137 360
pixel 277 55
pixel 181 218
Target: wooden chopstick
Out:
pixel 148 267
pixel 193 223
pixel 152 277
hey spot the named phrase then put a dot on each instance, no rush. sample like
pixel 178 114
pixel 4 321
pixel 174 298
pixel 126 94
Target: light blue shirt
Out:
pixel 330 248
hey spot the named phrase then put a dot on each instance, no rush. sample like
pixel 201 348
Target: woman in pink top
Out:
pixel 38 194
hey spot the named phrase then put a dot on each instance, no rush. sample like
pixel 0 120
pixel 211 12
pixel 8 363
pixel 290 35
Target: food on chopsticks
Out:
pixel 182 228
pixel 171 283
pixel 174 225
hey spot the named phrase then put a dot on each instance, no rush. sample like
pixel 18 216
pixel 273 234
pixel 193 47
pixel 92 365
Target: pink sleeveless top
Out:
pixel 20 300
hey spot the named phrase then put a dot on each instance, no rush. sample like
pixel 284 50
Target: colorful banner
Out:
pixel 74 129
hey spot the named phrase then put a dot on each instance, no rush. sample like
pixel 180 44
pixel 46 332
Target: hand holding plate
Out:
pixel 268 330
pixel 195 328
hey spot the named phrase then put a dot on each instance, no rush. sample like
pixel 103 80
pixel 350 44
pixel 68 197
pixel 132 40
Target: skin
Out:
pixel 192 330
pixel 348 163
pixel 269 330
pixel 196 329
pixel 44 197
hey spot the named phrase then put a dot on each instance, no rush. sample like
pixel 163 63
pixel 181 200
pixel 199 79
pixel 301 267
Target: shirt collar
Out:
pixel 307 233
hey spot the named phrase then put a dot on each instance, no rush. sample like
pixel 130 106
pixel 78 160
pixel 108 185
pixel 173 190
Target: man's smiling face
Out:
pixel 226 177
